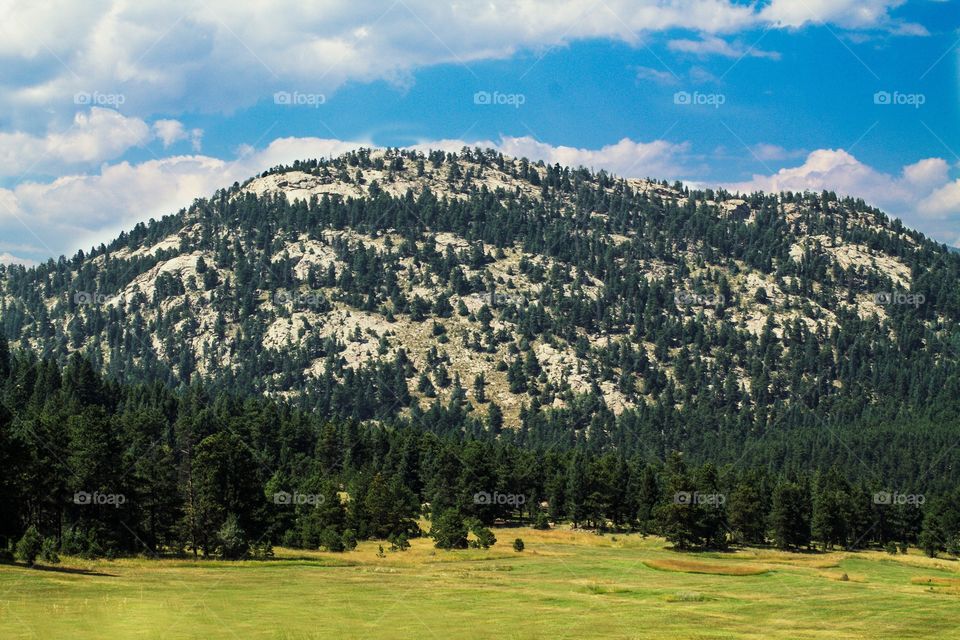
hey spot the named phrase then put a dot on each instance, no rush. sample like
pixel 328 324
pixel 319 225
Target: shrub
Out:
pixel 48 551
pixel 543 522
pixel 332 540
pixel 485 537
pixel 518 545
pixel 448 531
pixel 29 546
pixel 261 551
pixel 349 539
pixel 233 540
pixel 399 542
pixel 891 548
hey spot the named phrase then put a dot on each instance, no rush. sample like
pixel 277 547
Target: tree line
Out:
pixel 96 468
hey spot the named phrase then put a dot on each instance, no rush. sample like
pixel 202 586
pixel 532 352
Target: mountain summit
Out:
pixel 387 283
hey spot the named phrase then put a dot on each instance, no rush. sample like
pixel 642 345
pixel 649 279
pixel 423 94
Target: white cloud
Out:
pixel 78 211
pixel 97 135
pixel 922 193
pixel 221 55
pixel 172 131
pixel 769 152
pixel 9 258
pixel 943 203
pixel 656 75
pixel 169 131
pixel 627 158
pixel 712 45
pixel 848 14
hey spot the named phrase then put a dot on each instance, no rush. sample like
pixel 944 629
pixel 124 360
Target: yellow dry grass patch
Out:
pixel 937 582
pixel 698 566
pixel 842 576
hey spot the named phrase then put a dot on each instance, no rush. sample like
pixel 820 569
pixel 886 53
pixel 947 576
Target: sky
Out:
pixel 115 112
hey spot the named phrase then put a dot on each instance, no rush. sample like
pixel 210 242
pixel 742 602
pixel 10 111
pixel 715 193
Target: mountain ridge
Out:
pixel 401 265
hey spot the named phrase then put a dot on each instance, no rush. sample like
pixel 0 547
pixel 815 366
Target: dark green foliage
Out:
pixel 29 546
pixel 192 454
pixel 449 531
pixel 232 539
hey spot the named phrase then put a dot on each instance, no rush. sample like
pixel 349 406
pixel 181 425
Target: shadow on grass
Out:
pixel 55 569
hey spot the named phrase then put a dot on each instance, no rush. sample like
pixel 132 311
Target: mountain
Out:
pixel 464 291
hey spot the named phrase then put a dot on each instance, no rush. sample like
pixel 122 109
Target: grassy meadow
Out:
pixel 565 584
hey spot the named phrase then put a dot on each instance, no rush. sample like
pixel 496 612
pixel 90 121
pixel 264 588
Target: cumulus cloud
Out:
pixel 714 46
pixel 77 211
pixel 770 152
pixel 220 55
pixel 171 131
pixel 848 14
pixel 922 193
pixel 656 75
pixel 95 135
pixel 8 258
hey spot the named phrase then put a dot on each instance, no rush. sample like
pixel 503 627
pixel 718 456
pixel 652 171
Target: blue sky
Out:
pixel 115 113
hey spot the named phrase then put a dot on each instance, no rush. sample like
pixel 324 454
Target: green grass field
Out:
pixel 564 585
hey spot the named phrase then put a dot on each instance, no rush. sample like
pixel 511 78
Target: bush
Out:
pixel 332 540
pixel 485 537
pixel 543 522
pixel 518 545
pixel 891 548
pixel 448 531
pixel 48 551
pixel 399 542
pixel 29 546
pixel 261 551
pixel 233 540
pixel 349 539
pixel 76 541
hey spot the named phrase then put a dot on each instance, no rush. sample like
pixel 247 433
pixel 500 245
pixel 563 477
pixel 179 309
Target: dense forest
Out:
pixel 430 331
pixel 95 468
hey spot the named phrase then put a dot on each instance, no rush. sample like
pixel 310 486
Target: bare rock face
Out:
pixel 273 298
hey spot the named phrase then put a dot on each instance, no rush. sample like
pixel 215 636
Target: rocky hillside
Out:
pixel 370 285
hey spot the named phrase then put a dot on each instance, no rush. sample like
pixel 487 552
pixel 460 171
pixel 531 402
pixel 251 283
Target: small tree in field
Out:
pixel 449 531
pixel 518 545
pixel 29 546
pixel 233 541
pixel 48 551
pixel 485 537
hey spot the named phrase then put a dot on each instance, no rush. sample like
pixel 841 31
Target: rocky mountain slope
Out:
pixel 369 285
